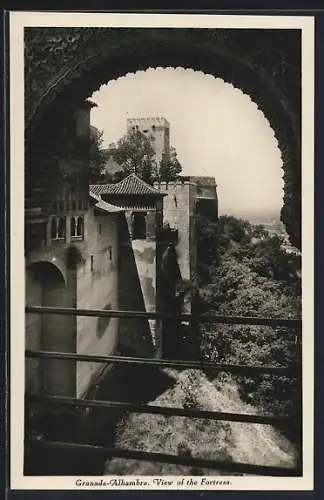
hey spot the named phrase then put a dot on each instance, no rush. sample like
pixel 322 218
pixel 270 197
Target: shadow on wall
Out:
pixel 134 337
pixel 171 277
pixel 172 302
pixel 103 322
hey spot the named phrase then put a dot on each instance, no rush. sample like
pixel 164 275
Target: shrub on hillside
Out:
pixel 253 277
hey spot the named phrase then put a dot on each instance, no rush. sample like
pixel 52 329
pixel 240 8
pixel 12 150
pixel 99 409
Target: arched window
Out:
pixel 80 226
pixel 58 228
pixel 61 228
pixel 77 227
pixel 72 226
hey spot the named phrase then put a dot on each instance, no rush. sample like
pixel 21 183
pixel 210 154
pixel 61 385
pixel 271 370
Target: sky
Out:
pixel 216 129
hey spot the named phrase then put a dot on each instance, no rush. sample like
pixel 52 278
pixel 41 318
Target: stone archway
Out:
pixel 45 286
pixel 64 66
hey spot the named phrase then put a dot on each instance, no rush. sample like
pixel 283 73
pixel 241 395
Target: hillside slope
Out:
pixel 242 271
pixel 230 441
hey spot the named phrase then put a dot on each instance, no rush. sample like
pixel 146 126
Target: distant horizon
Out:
pixel 219 133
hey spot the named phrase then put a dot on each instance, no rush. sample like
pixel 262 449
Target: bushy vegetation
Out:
pixel 245 271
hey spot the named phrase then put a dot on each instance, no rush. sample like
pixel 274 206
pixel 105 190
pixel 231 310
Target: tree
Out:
pixel 207 246
pixel 135 154
pixel 251 279
pixel 97 155
pixel 170 166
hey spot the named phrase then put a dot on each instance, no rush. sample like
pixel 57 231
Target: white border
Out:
pixel 19 20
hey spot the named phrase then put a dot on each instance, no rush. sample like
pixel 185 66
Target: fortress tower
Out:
pixel 185 199
pixel 156 129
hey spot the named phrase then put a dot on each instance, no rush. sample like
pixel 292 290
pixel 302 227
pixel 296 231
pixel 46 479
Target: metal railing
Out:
pixel 243 370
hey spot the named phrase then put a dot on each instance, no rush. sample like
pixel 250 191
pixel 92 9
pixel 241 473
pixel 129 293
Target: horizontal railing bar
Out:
pixel 232 467
pixel 199 365
pixel 159 410
pixel 208 318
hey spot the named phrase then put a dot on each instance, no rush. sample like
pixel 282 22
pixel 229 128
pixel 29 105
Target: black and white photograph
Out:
pixel 162 231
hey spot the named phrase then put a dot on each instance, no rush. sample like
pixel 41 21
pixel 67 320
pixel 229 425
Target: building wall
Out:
pixel 97 288
pixel 178 209
pixel 206 186
pixel 140 282
pixel 145 259
pixel 92 285
pixel 135 337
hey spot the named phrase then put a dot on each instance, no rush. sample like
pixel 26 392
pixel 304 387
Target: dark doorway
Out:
pixel 139 226
pixel 45 286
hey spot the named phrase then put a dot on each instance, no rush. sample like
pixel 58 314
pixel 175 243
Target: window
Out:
pixel 61 205
pixel 77 225
pixel 139 226
pixel 80 205
pixel 109 253
pixel 91 263
pixel 99 228
pixel 58 228
pixel 55 206
pixel 73 205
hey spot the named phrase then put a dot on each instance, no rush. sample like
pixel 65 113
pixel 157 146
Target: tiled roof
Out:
pixel 103 205
pixel 99 189
pixel 131 185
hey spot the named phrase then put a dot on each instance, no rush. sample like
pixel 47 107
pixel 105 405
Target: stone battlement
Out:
pixel 158 121
pixel 166 186
pixel 184 181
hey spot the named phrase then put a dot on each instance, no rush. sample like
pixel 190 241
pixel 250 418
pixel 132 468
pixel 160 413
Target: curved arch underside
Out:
pixel 46 272
pixel 66 65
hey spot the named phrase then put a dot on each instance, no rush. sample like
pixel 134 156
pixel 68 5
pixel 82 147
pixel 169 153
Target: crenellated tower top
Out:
pixel 146 122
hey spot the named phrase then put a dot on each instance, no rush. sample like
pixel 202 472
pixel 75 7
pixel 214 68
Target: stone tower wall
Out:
pixel 158 129
pixel 179 212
